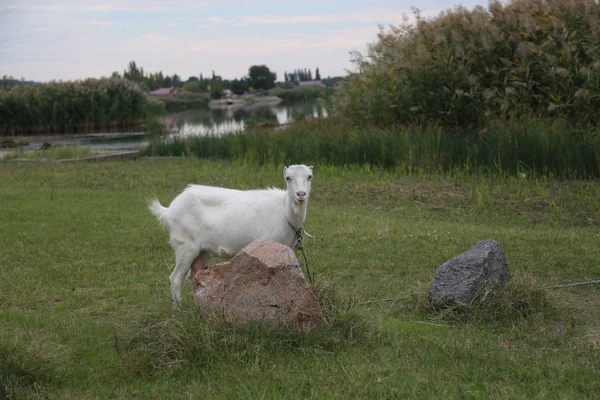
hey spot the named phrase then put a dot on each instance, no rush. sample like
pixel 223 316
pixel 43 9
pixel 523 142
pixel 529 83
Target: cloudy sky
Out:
pixel 43 40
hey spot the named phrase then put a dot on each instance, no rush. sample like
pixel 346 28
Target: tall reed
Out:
pixel 463 67
pixel 523 146
pixel 79 106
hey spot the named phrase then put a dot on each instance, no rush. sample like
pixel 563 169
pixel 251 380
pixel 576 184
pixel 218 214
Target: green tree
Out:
pixel 240 86
pixel 216 89
pixel 156 80
pixel 261 77
pixel 176 81
pixel 193 86
pixel 133 73
pixel 317 74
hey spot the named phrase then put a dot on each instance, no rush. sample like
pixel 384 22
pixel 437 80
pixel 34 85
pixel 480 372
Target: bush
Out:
pixel 524 58
pixel 181 101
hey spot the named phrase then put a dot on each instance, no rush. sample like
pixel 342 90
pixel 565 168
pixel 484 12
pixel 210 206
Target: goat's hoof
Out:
pixel 176 304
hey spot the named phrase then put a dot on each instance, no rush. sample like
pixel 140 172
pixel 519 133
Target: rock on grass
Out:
pixel 458 280
pixel 262 283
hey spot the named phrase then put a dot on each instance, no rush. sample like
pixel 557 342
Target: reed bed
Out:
pixel 521 58
pixel 72 107
pixel 525 146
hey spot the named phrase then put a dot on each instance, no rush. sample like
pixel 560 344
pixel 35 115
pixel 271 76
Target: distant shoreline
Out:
pixel 244 101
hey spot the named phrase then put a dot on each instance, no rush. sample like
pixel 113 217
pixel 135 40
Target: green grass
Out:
pixel 85 309
pixel 22 371
pixel 52 153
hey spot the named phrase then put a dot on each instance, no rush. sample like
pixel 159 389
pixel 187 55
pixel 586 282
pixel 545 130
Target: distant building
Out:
pixel 311 84
pixel 162 91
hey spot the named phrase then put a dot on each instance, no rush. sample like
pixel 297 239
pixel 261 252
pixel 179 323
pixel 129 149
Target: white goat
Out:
pixel 206 221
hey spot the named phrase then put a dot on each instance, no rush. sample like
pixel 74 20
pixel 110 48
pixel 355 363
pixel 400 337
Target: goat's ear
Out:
pixel 284 169
pixel 310 166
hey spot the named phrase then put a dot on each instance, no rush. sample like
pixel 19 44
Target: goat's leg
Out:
pixel 184 256
pixel 199 263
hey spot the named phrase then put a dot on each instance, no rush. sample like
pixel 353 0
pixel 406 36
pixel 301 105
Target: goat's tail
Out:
pixel 159 212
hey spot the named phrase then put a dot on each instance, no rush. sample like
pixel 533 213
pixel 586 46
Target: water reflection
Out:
pixel 235 119
pixel 194 122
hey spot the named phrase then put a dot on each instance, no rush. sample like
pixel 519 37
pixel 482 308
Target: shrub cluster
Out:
pixel 518 58
pixel 301 93
pixel 182 101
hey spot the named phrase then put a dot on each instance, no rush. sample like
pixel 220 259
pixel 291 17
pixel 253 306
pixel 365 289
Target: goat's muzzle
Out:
pixel 301 196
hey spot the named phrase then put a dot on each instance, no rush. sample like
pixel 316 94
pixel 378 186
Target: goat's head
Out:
pixel 298 179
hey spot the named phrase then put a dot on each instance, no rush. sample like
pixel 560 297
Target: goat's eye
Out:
pixel 287 178
pixel 309 177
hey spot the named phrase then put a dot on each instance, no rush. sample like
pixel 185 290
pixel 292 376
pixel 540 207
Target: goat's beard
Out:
pixel 298 206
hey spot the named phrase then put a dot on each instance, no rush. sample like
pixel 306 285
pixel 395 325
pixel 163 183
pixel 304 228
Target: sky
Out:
pixel 45 40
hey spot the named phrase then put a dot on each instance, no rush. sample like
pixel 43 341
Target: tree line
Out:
pixel 8 81
pixel 301 75
pixel 259 78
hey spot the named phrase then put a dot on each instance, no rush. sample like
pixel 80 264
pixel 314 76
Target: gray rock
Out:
pixel 263 282
pixel 457 280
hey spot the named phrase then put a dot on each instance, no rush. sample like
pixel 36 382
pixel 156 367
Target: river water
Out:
pixel 235 119
pixel 192 122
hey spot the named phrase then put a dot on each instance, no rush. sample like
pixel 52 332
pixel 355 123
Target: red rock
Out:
pixel 263 282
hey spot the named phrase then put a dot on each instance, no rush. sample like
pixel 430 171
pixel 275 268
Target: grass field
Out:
pixel 85 308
